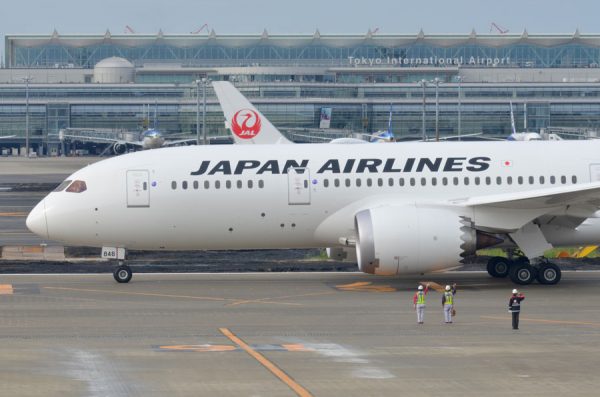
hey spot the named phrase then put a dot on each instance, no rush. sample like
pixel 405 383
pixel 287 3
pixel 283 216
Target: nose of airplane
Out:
pixel 36 220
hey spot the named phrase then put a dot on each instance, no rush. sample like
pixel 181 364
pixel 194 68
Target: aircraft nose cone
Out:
pixel 36 220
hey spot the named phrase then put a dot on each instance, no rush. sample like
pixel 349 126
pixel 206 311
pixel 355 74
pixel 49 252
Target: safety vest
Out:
pixel 420 298
pixel 449 298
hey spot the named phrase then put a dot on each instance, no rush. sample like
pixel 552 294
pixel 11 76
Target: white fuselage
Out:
pixel 198 197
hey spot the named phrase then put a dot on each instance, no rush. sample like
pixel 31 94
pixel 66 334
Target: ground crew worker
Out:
pixel 419 302
pixel 448 303
pixel 514 306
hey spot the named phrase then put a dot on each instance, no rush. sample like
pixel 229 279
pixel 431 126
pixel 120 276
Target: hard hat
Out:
pixel 420 288
pixel 447 288
pixel 515 291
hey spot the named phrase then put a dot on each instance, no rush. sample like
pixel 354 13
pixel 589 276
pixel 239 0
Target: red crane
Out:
pixel 129 29
pixel 197 31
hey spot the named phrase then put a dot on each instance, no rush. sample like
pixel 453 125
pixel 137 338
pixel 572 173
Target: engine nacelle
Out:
pixel 119 148
pixel 410 239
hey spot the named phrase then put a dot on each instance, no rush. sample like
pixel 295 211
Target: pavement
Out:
pixel 294 334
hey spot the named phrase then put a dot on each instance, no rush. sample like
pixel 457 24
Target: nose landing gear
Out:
pixel 122 273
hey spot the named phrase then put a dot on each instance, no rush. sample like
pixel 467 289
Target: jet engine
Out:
pixel 411 239
pixel 119 148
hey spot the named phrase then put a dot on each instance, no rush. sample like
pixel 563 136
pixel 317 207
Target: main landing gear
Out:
pixel 522 272
pixel 122 273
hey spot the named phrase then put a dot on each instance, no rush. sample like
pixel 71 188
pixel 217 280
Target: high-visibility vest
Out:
pixel 420 298
pixel 449 298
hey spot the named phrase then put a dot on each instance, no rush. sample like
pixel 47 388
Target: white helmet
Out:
pixel 515 291
pixel 447 288
pixel 420 288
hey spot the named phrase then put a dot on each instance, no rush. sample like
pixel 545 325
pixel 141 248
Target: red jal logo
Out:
pixel 246 124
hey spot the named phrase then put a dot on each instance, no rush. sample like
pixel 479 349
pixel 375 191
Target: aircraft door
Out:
pixel 594 172
pixel 138 188
pixel 298 186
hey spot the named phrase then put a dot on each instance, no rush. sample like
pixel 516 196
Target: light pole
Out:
pixel 27 80
pixel 459 105
pixel 204 82
pixel 198 111
pixel 437 109
pixel 423 84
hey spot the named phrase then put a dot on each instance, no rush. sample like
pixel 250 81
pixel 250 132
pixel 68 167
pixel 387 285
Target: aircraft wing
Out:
pixel 179 142
pixel 100 139
pixel 7 136
pixel 510 211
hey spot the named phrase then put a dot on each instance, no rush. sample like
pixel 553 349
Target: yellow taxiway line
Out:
pixel 6 289
pixel 13 214
pixel 275 370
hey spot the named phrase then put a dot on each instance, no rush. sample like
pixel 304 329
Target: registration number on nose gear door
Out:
pixel 112 253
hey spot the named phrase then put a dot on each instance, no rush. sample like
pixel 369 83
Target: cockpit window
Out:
pixel 62 186
pixel 77 187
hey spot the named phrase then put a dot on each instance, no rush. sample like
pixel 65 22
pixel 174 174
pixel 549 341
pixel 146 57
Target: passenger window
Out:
pixel 379 182
pixel 553 179
pixel 542 180
pixel 412 181
pixel 509 180
pixel 433 181
pixel 531 180
pixel 217 184
pixel 228 184
pixel 239 184
pixel 358 182
pixel 423 181
pixel 498 180
pixel 196 185
pixel 369 182
pixel 206 184
pixel 466 180
pixel 477 180
pixel 455 181
pixel 520 180
pixel 184 185
pixel 563 179
pixel 574 179
pixel 488 180
pixel 261 184
pixel 336 182
pixel 401 181
pixel 391 181
pixel 173 185
pixel 444 181
pixel 250 184
pixel 325 182
pixel 348 182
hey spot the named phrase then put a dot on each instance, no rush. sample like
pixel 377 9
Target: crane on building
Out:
pixel 500 29
pixel 197 31
pixel 129 29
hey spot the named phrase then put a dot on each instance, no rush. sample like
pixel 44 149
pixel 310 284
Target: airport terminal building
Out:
pixel 115 82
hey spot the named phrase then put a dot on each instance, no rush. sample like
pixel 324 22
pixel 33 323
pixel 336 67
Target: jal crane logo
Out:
pixel 246 124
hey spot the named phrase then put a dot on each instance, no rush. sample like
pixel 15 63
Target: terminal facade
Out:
pixel 118 82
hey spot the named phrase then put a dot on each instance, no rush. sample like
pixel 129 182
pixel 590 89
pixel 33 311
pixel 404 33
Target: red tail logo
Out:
pixel 246 124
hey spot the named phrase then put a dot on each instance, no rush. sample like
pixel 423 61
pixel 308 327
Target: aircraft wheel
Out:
pixel 498 266
pixel 122 274
pixel 549 274
pixel 522 273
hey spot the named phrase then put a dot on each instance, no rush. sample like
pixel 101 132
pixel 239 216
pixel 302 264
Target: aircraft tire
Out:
pixel 522 273
pixel 498 267
pixel 548 274
pixel 123 274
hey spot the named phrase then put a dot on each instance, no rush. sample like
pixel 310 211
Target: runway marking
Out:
pixel 13 214
pixel 541 320
pixel 365 286
pixel 275 370
pixel 6 289
pixel 267 300
pixel 208 348
pixel 208 298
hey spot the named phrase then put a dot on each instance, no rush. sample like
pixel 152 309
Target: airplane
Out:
pixel 405 208
pixel 148 139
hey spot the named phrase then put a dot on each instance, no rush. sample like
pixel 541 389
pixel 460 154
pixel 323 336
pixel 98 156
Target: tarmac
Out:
pixel 294 334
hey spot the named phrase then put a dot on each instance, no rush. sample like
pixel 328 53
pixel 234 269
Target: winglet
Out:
pixel 246 123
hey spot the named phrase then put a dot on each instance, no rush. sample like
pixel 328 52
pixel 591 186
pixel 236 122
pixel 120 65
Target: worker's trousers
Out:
pixel 448 313
pixel 515 320
pixel 420 312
